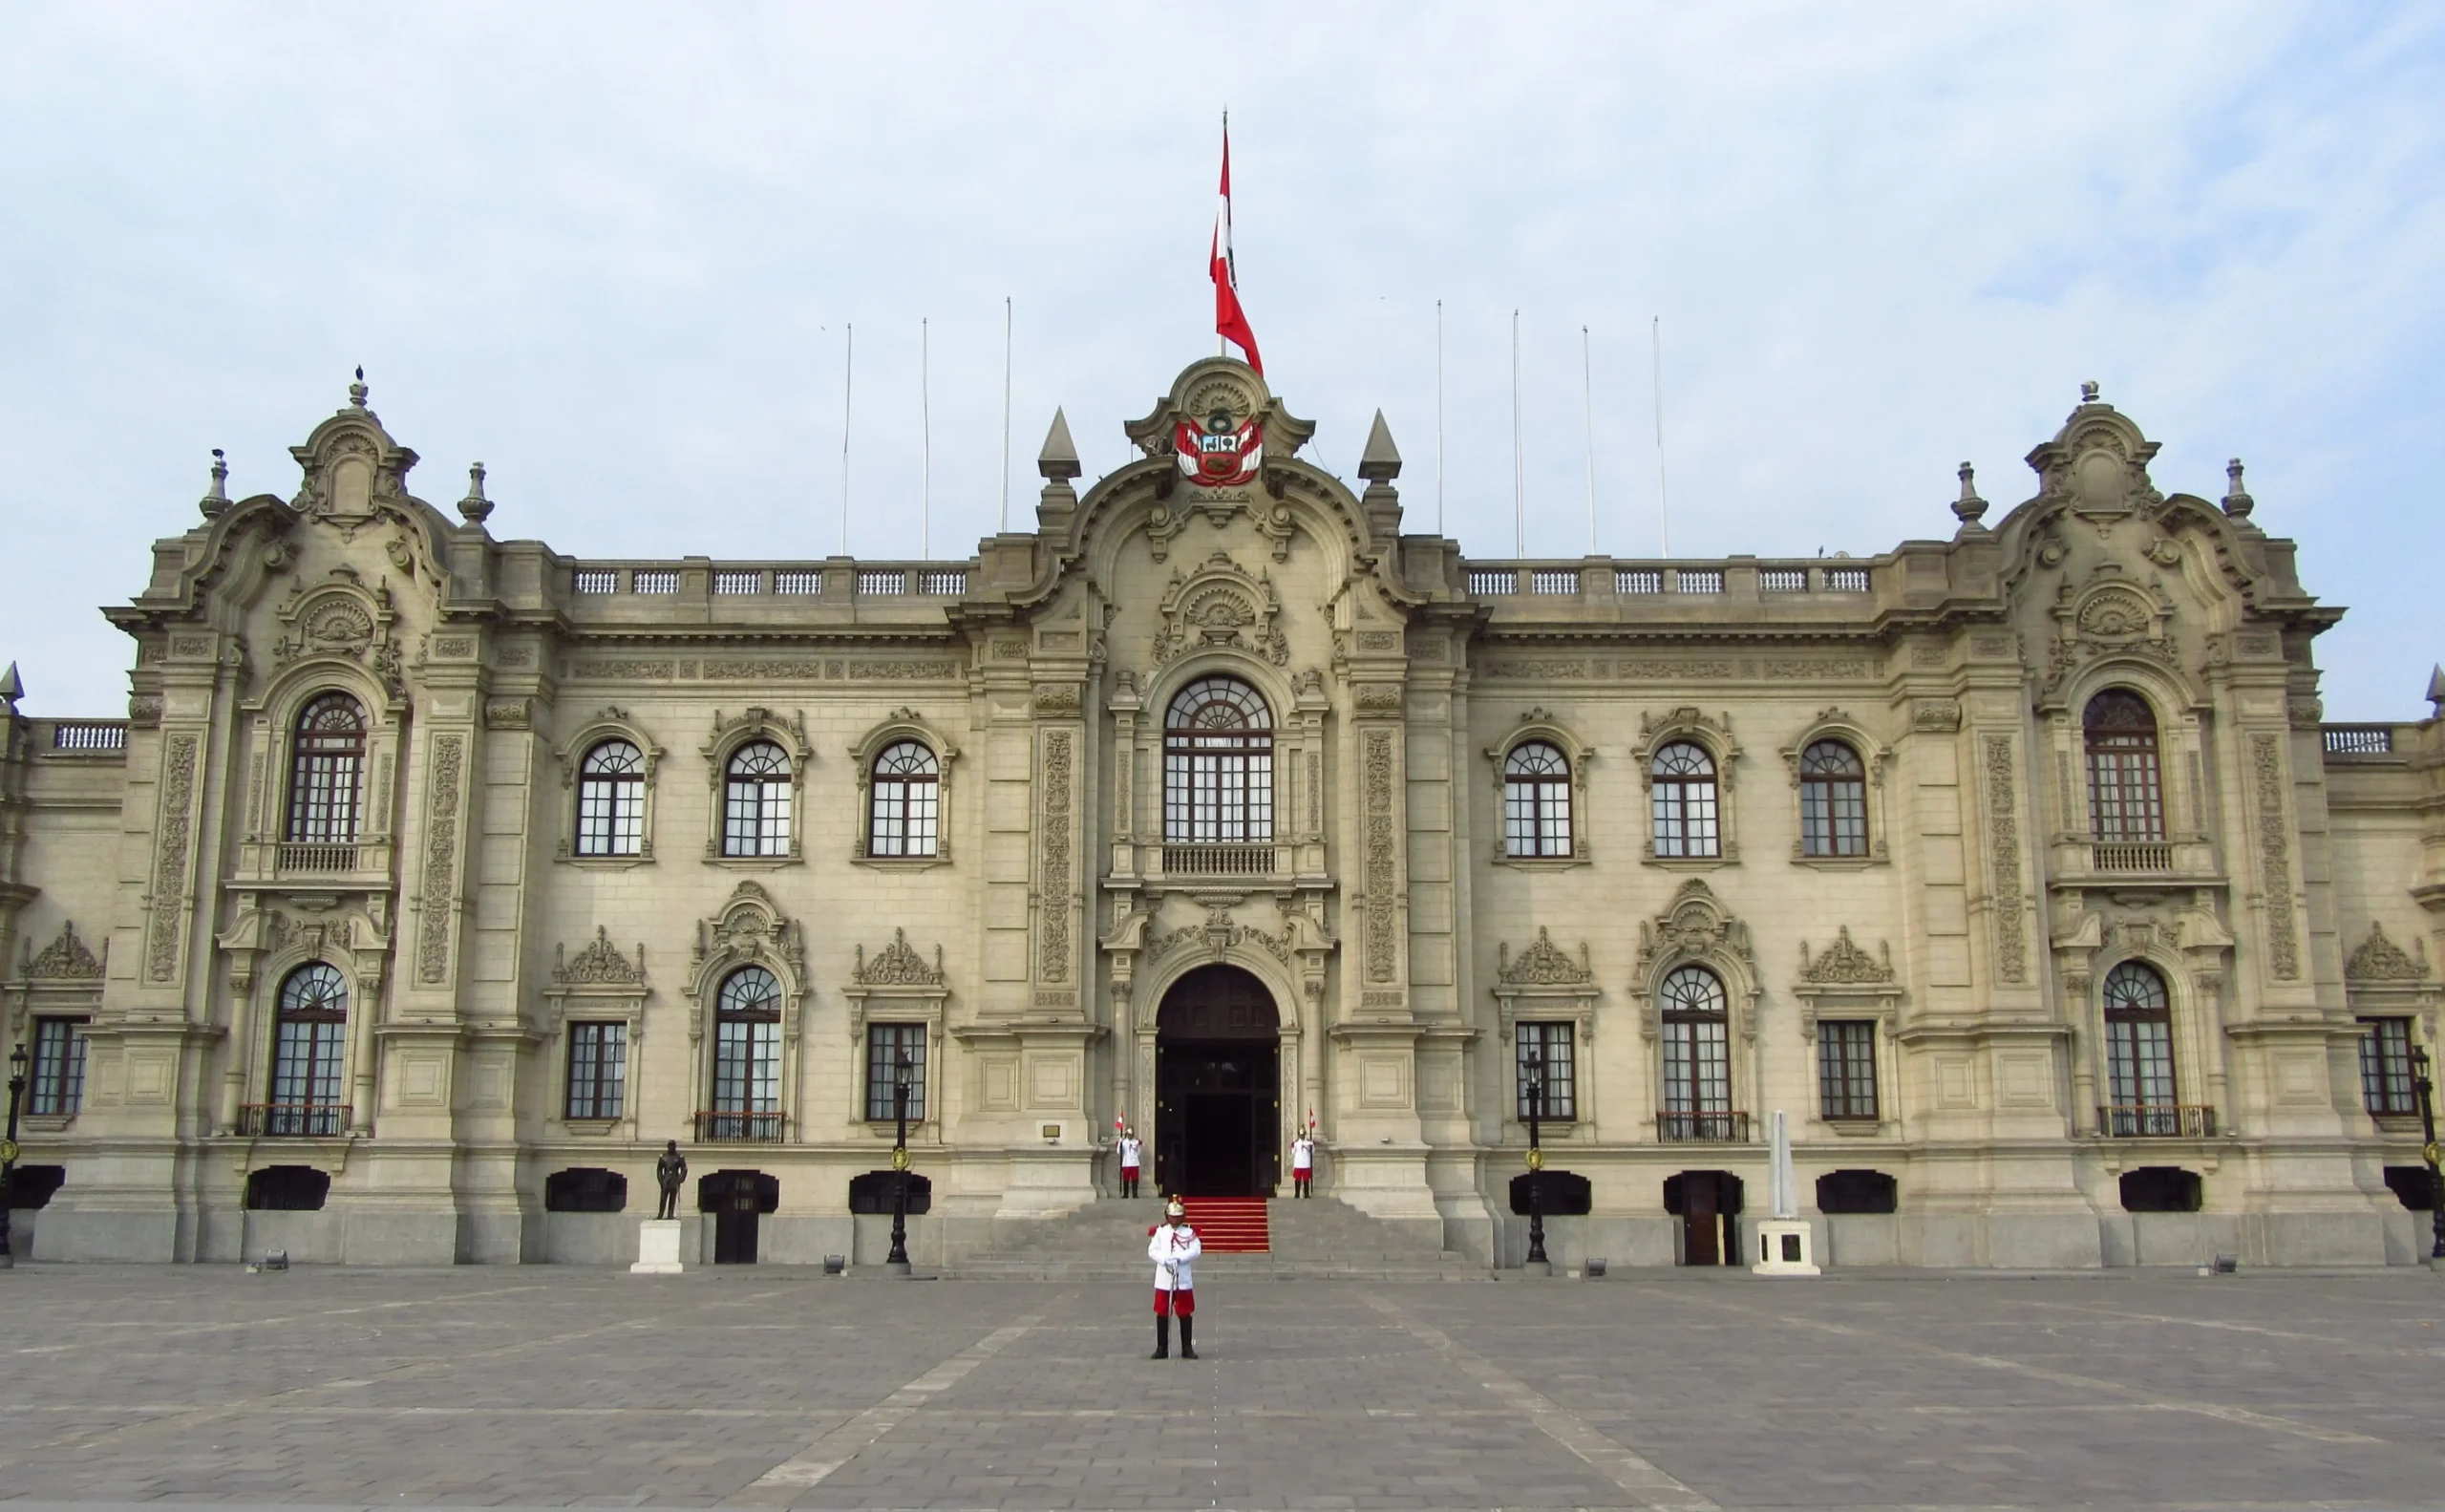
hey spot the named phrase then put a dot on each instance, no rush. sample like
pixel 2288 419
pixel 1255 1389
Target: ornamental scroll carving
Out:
pixel 897 965
pixel 64 959
pixel 1054 955
pixel 1843 963
pixel 1220 605
pixel 598 965
pixel 441 860
pixel 1377 767
pixel 2004 841
pixel 2379 959
pixel 1543 964
pixel 2275 855
pixel 170 859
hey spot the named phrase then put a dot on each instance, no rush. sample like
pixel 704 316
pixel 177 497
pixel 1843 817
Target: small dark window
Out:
pixel 33 1186
pixel 738 1192
pixel 1561 1194
pixel 612 800
pixel 871 1193
pixel 1856 1192
pixel 1547 1047
pixel 1833 801
pixel 2126 789
pixel 586 1189
pixel 2385 1066
pixel 286 1189
pixel 2160 1189
pixel 885 1044
pixel 598 1070
pixel 2414 1186
pixel 1847 1068
pixel 58 1087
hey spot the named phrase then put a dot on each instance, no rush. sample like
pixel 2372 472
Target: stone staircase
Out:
pixel 1315 1239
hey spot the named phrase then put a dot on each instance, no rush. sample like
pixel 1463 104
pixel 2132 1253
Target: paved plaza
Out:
pixel 769 1388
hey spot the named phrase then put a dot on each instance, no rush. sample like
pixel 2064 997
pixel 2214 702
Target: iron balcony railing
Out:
pixel 1701 1128
pixel 295 1120
pixel 2156 1120
pixel 1219 861
pixel 729 1126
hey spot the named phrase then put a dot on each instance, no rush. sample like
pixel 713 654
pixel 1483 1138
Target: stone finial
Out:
pixel 475 507
pixel 216 498
pixel 2088 392
pixel 1058 461
pixel 2237 501
pixel 11 688
pixel 1381 461
pixel 2435 690
pixel 1969 508
pixel 357 390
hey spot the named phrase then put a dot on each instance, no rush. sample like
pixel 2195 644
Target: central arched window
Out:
pixel 308 1058
pixel 1683 777
pixel 1833 801
pixel 747 1057
pixel 612 800
pixel 1697 1055
pixel 2126 789
pixel 1536 800
pixel 756 802
pixel 1218 765
pixel 904 818
pixel 2139 1053
pixel 327 761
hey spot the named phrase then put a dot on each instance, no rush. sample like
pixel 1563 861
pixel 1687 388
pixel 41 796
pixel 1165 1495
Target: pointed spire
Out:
pixel 2237 501
pixel 11 688
pixel 2435 690
pixel 357 390
pixel 1058 461
pixel 1381 461
pixel 475 507
pixel 1969 508
pixel 216 498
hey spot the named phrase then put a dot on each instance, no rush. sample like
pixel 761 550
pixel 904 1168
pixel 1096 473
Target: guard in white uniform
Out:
pixel 1130 1151
pixel 1173 1246
pixel 1303 1163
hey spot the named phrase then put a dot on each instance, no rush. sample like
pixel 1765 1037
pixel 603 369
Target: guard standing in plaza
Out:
pixel 1130 1151
pixel 668 1173
pixel 1173 1246
pixel 1303 1161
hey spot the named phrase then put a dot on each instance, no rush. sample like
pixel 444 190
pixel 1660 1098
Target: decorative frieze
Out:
pixel 897 965
pixel 441 860
pixel 2275 855
pixel 2379 959
pixel 600 963
pixel 1055 957
pixel 2004 848
pixel 170 856
pixel 1543 964
pixel 66 959
pixel 1844 964
pixel 1377 783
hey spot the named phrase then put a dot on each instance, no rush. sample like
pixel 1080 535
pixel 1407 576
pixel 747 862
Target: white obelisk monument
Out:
pixel 1784 1243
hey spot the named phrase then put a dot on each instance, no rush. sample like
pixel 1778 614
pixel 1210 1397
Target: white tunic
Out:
pixel 1172 1249
pixel 1129 1148
pixel 1303 1154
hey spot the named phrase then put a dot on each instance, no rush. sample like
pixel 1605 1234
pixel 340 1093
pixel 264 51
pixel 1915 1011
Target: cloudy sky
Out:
pixel 613 251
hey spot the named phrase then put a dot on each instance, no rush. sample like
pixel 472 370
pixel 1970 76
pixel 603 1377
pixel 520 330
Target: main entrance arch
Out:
pixel 1218 1081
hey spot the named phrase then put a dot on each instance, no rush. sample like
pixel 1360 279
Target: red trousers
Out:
pixel 1174 1304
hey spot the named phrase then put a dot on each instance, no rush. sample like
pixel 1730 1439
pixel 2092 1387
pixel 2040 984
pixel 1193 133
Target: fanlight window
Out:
pixel 1536 800
pixel 1218 764
pixel 904 818
pixel 309 1052
pixel 747 1042
pixel 612 800
pixel 2140 1050
pixel 1697 1058
pixel 1833 801
pixel 1684 797
pixel 2126 789
pixel 756 802
pixel 327 762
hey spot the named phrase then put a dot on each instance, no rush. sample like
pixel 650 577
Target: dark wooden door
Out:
pixel 735 1237
pixel 1701 1221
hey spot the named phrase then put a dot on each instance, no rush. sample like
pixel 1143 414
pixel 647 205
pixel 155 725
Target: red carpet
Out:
pixel 1230 1225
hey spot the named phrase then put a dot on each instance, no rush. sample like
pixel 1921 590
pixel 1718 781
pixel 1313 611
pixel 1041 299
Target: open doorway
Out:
pixel 1217 1073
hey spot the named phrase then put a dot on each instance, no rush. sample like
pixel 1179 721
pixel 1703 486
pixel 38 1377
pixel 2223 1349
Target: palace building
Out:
pixel 434 880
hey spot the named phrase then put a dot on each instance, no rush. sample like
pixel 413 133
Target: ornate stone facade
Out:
pixel 1965 854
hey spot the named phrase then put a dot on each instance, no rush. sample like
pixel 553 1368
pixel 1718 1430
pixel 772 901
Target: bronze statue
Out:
pixel 670 1171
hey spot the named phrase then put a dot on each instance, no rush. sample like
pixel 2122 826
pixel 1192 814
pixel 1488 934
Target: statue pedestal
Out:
pixel 658 1247
pixel 1784 1248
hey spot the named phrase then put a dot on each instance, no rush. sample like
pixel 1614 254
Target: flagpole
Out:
pixel 1587 400
pixel 1519 465
pixel 1219 349
pixel 1663 502
pixel 848 377
pixel 1004 523
pixel 1438 416
pixel 925 436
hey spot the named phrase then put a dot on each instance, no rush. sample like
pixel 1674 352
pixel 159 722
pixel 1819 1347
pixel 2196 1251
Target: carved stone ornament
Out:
pixel 897 965
pixel 1220 605
pixel 598 965
pixel 750 927
pixel 1844 964
pixel 64 959
pixel 1543 964
pixel 1694 927
pixel 341 618
pixel 2379 959
pixel 2109 616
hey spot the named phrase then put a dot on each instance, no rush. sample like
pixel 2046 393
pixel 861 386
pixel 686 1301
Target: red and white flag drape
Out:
pixel 1230 320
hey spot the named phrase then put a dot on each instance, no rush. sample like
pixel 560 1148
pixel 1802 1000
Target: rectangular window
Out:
pixel 2139 1063
pixel 2126 795
pixel 1834 818
pixel 1697 1067
pixel 1552 1042
pixel 2385 1066
pixel 58 1087
pixel 747 1066
pixel 1847 1069
pixel 1684 818
pixel 885 1043
pixel 598 1070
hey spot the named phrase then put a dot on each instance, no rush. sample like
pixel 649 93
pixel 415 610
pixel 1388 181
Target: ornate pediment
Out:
pixel 2379 959
pixel 64 959
pixel 600 963
pixel 897 965
pixel 750 927
pixel 1543 964
pixel 1220 605
pixel 1696 926
pixel 341 618
pixel 1843 963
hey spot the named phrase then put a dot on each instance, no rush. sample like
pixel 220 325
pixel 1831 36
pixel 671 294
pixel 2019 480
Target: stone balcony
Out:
pixel 2180 863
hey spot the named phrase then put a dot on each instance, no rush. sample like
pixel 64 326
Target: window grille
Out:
pixel 1536 800
pixel 1638 580
pixel 1550 580
pixel 756 802
pixel 1684 798
pixel 1701 580
pixel 1847 1068
pixel 327 756
pixel 2385 1066
pixel 308 1053
pixel 903 817
pixel 1847 579
pixel 58 1086
pixel 612 800
pixel 1697 1058
pixel 875 579
pixel 597 579
pixel 797 582
pixel 1493 581
pixel 1218 765
pixel 654 580
pixel 598 1070
pixel 741 581
pixel 1548 1045
pixel 1782 580
pixel 1833 801
pixel 885 1043
pixel 943 582
pixel 2126 790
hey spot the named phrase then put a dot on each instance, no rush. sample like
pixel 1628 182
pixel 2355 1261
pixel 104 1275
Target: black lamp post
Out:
pixel 9 1150
pixel 900 1089
pixel 1536 1074
pixel 2421 1081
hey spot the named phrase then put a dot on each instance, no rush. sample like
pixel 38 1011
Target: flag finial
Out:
pixel 216 498
pixel 357 390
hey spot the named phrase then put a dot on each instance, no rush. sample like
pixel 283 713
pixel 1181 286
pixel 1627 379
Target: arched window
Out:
pixel 2126 790
pixel 1685 801
pixel 612 800
pixel 1833 801
pixel 1697 1055
pixel 1536 800
pixel 906 815
pixel 326 758
pixel 1218 765
pixel 756 802
pixel 747 1058
pixel 308 1053
pixel 2139 1053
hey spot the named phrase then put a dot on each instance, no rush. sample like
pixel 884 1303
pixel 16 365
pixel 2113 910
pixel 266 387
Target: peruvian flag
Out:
pixel 1229 319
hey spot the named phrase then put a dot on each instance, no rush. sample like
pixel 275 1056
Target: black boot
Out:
pixel 1163 1336
pixel 1188 1338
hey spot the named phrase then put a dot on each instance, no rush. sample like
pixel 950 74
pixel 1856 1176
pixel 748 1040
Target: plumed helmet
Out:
pixel 1176 1210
